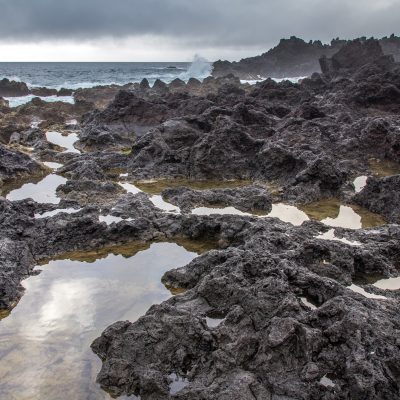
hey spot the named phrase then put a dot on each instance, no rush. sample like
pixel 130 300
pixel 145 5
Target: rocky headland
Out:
pixel 277 310
pixel 293 57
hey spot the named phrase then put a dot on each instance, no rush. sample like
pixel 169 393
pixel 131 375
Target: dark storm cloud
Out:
pixel 209 22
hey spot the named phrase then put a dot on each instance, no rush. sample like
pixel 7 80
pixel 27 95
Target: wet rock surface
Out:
pixel 275 311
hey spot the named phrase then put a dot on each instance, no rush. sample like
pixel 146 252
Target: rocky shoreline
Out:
pixel 276 310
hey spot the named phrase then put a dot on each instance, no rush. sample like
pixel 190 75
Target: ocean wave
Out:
pixel 13 78
pixel 19 101
pixel 295 79
pixel 75 75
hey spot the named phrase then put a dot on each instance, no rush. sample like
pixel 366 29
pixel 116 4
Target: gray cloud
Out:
pixel 214 23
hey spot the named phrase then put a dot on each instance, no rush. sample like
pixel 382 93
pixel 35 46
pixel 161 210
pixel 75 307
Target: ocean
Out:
pixel 75 75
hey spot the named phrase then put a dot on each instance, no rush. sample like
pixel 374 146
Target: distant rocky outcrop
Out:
pixel 17 89
pixel 44 91
pixel 12 88
pixel 352 56
pixel 293 57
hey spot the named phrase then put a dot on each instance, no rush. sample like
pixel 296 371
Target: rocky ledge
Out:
pixel 247 198
pixel 275 311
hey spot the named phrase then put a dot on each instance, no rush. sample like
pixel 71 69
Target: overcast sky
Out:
pixel 175 30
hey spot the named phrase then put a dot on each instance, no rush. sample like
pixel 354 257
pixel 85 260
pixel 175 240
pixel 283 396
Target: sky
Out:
pixel 175 30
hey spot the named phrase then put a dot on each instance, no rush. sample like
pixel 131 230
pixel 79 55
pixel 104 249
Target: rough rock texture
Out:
pixel 247 198
pixel 382 195
pixel 15 165
pixel 280 132
pixel 130 116
pixel 86 192
pixel 269 344
pixel 99 96
pixel 47 115
pixel 268 314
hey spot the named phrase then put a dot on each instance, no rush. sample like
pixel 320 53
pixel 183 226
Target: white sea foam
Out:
pixel 19 101
pixel 295 79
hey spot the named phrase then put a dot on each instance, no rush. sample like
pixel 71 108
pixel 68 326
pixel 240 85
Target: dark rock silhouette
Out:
pixel 293 58
pixel 12 88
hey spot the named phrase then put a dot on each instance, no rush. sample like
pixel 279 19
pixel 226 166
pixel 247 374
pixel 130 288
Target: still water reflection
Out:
pixel 44 342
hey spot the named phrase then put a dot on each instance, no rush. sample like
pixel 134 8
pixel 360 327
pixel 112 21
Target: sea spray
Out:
pixel 200 69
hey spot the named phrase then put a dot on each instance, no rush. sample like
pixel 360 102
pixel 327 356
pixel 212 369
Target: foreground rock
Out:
pixel 15 166
pixel 241 330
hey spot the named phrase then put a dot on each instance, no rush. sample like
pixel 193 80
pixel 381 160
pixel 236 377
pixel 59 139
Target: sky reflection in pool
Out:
pixel 44 342
pixel 43 192
pixel 66 141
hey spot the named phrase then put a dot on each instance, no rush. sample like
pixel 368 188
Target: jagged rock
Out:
pixel 129 115
pixel 351 56
pixel 177 84
pixel 293 57
pixel 83 170
pixel 311 139
pixel 160 86
pixel 13 89
pixel 264 330
pixel 15 165
pixel 33 137
pixel 144 84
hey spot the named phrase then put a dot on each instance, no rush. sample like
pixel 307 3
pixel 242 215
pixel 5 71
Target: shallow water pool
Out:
pixel 45 341
pixel 43 191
